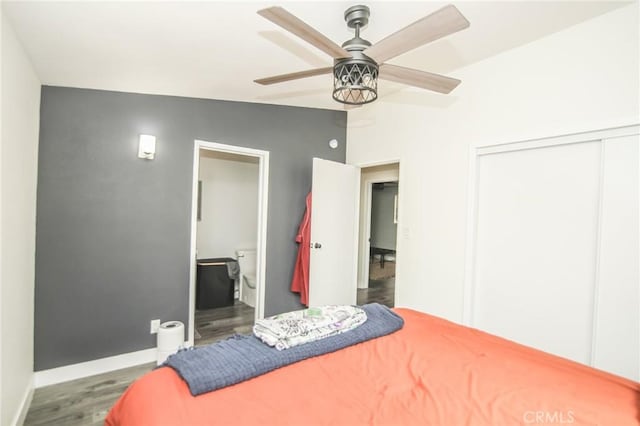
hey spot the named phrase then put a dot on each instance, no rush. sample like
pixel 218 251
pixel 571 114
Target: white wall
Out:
pixel 19 158
pixel 229 207
pixel 579 79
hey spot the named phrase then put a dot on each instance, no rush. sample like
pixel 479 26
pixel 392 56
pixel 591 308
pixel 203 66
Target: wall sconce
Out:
pixel 147 147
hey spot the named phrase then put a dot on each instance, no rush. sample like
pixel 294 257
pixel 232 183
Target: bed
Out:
pixel 431 372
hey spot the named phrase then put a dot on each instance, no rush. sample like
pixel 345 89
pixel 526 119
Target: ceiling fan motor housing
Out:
pixel 355 78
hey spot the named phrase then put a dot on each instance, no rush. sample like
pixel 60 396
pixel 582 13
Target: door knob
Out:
pixel 317 245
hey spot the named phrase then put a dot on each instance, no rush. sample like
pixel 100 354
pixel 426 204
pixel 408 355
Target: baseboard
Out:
pixel 21 414
pixel 91 368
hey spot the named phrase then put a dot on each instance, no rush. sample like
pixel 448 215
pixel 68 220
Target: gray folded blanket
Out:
pixel 243 357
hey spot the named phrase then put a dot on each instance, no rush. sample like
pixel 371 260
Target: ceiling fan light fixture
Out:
pixel 355 82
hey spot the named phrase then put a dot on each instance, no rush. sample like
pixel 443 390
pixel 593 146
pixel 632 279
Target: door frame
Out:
pixel 365 244
pixel 261 246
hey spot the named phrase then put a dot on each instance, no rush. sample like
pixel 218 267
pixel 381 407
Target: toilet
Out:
pixel 247 261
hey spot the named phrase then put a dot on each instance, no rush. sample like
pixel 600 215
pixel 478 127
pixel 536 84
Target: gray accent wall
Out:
pixel 113 230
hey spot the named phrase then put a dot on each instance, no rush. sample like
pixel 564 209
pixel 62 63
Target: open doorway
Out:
pixel 377 257
pixel 227 241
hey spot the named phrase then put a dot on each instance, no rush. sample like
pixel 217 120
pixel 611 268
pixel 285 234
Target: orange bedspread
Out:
pixel 432 372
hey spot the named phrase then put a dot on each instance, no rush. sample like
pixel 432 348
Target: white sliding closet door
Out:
pixel 556 246
pixel 617 313
pixel 537 218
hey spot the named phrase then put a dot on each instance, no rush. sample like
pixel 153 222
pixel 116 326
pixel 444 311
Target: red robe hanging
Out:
pixel 300 281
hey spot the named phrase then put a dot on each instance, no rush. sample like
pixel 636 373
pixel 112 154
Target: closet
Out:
pixel 555 246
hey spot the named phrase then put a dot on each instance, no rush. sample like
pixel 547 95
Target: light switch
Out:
pixel 406 233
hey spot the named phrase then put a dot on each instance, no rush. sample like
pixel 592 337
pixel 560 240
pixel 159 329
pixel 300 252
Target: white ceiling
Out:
pixel 216 49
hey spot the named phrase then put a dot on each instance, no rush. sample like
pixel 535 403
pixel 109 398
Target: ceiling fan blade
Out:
pixel 294 76
pixel 440 23
pixel 422 79
pixel 293 24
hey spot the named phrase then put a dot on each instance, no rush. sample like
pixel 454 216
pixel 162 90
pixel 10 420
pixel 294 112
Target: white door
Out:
pixel 557 248
pixel 334 233
pixel 616 345
pixel 535 247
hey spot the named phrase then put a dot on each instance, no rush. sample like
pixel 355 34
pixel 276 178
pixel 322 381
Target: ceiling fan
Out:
pixel 358 64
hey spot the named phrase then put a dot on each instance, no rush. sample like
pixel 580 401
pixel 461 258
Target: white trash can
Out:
pixel 170 339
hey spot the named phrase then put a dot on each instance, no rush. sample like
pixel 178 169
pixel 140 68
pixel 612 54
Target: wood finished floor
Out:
pixel 220 323
pixel 86 401
pixel 83 401
pixel 380 290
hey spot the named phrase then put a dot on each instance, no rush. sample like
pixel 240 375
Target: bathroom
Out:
pixel 226 242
